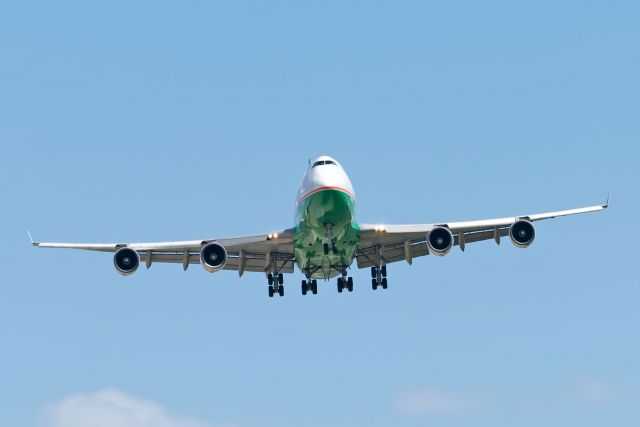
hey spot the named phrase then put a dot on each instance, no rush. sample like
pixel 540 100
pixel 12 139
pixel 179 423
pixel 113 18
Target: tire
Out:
pixel 325 247
pixel 314 287
pixel 304 287
pixel 384 283
pixel 374 284
pixel 270 279
pixel 374 272
pixel 383 270
pixel 280 278
pixel 350 284
pixel 270 291
pixel 281 291
pixel 340 284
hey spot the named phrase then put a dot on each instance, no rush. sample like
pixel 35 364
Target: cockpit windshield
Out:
pixel 323 162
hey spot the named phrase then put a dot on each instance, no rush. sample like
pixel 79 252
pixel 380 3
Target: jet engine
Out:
pixel 522 233
pixel 440 241
pixel 126 261
pixel 213 257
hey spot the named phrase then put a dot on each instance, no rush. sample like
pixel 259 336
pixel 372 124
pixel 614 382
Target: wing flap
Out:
pixel 403 251
pixel 254 262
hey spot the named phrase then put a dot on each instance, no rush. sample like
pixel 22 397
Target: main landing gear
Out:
pixel 345 283
pixel 276 286
pixel 310 285
pixel 379 277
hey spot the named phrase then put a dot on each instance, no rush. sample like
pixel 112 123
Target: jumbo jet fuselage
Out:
pixel 326 234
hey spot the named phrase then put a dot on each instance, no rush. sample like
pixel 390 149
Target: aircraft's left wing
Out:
pixel 383 244
pixel 270 252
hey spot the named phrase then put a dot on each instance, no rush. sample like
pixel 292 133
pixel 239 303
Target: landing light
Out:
pixel 379 228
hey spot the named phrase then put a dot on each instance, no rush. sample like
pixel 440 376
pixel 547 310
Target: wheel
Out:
pixel 384 283
pixel 281 290
pixel 383 271
pixel 314 287
pixel 350 284
pixel 335 249
pixel 280 278
pixel 326 249
pixel 304 287
pixel 270 279
pixel 374 284
pixel 340 284
pixel 374 272
pixel 270 291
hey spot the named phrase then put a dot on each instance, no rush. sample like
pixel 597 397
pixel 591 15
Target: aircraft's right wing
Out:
pixel 384 244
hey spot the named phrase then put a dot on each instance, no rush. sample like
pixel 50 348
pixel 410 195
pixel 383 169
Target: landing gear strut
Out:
pixel 379 277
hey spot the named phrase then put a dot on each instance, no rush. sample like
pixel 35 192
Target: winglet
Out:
pixel 606 205
pixel 31 239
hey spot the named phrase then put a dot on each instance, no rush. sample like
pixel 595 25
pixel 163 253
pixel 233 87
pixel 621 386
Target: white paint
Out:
pixel 321 176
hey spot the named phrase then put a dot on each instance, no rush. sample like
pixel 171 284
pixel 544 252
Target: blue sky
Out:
pixel 151 121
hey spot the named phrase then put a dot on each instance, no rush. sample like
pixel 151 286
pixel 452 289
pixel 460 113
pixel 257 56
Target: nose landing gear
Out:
pixel 331 245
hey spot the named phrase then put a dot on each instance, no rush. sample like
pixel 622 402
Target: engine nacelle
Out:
pixel 522 233
pixel 440 241
pixel 126 261
pixel 213 257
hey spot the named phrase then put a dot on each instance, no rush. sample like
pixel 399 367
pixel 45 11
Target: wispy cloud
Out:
pixel 110 408
pixel 434 400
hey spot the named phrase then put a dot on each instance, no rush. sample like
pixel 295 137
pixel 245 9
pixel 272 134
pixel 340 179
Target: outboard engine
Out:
pixel 440 240
pixel 126 261
pixel 522 233
pixel 213 257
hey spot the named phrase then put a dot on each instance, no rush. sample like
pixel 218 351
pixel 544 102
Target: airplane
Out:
pixel 325 240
